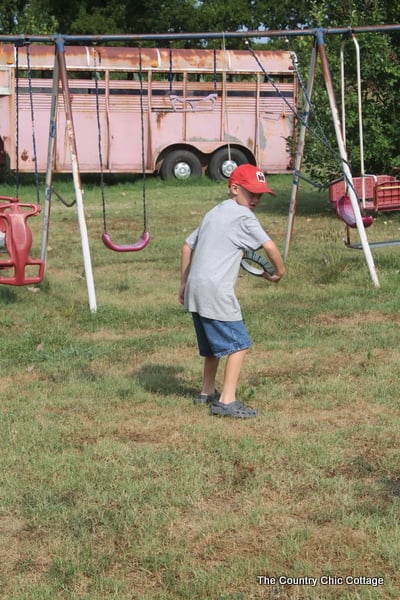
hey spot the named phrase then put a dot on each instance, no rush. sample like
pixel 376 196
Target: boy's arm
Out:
pixel 186 257
pixel 275 258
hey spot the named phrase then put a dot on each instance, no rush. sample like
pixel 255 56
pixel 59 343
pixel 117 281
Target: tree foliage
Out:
pixel 380 76
pixel 380 54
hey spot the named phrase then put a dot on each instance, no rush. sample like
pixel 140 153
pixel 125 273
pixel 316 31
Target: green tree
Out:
pixel 380 76
pixel 124 17
pixel 8 13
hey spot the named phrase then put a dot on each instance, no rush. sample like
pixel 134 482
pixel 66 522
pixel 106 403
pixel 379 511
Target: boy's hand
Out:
pixel 274 277
pixel 181 294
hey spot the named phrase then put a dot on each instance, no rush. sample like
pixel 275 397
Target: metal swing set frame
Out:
pixel 60 77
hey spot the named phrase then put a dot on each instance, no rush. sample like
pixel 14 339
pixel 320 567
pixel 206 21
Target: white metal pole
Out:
pixel 76 176
pixel 345 166
pixel 359 102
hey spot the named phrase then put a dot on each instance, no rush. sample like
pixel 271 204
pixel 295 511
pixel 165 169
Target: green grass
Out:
pixel 115 486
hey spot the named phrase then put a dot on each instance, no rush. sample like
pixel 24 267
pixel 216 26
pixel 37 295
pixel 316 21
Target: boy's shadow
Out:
pixel 164 380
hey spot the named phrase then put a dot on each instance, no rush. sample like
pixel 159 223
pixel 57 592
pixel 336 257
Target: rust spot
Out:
pixel 24 155
pixel 160 118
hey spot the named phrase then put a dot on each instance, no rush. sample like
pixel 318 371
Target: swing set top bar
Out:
pixel 199 36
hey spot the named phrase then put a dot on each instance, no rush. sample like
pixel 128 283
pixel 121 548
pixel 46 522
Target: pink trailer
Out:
pixel 190 112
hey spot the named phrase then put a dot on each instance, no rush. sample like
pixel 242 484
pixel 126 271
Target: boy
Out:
pixel 210 263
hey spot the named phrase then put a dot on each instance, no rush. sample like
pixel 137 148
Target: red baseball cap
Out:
pixel 251 178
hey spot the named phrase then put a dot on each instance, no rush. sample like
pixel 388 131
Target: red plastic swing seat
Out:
pixel 345 211
pixel 136 247
pixel 18 242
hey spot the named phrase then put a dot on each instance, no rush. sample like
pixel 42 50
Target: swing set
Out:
pixel 15 235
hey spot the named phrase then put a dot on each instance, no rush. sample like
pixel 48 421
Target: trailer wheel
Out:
pixel 180 164
pixel 223 162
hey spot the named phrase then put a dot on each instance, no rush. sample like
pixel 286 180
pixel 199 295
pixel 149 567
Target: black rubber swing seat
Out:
pixel 255 264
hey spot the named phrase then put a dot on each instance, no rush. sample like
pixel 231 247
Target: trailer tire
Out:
pixel 223 162
pixel 180 164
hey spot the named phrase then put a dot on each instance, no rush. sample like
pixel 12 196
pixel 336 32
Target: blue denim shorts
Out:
pixel 220 338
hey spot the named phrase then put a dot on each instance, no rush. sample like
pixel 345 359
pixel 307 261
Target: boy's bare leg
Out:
pixel 209 374
pixel 233 367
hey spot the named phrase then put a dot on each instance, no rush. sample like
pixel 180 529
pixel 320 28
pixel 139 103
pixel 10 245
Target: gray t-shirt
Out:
pixel 217 245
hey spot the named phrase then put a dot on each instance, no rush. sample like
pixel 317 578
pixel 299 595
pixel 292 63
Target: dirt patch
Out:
pixel 356 319
pixel 11 547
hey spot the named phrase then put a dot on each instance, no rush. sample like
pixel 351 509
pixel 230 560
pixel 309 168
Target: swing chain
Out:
pixel 19 44
pixel 100 154
pixel 28 60
pixel 145 238
pixel 17 102
pixel 321 137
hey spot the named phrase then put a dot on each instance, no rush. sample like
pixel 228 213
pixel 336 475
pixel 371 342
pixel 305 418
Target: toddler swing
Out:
pixel 144 239
pixel 18 242
pixel 15 234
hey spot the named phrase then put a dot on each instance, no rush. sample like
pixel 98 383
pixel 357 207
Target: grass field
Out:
pixel 115 486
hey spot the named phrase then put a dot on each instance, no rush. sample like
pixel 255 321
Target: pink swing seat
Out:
pixel 140 244
pixel 344 210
